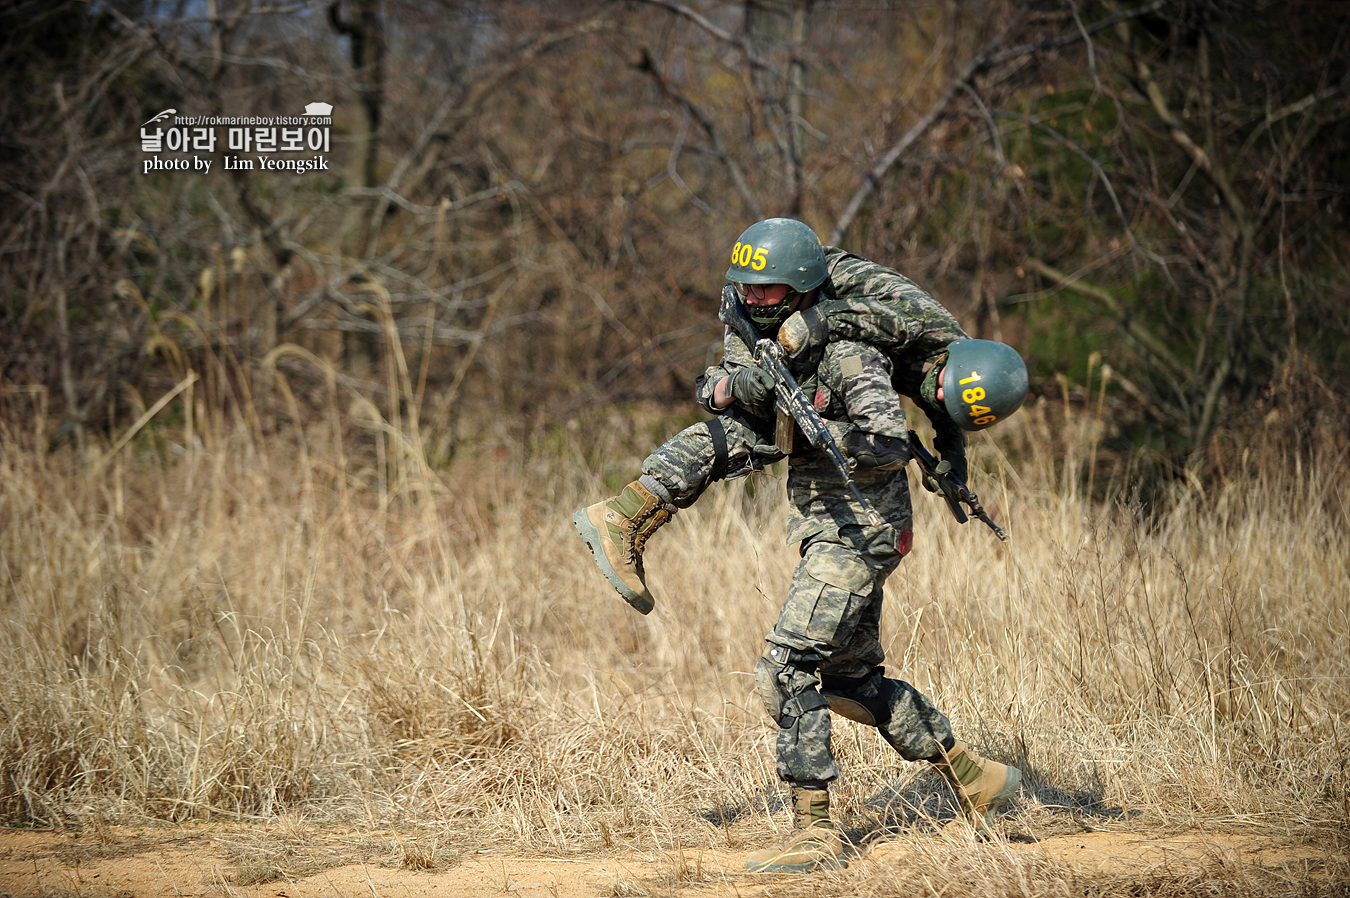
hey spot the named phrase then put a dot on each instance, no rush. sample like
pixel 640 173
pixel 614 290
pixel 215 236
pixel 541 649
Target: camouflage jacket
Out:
pixel 868 307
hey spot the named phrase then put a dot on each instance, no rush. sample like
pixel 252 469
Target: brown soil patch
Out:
pixel 298 862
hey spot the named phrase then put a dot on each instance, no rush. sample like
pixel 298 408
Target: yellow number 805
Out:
pixel 743 255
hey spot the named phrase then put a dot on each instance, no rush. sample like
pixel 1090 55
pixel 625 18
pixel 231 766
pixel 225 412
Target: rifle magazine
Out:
pixel 787 436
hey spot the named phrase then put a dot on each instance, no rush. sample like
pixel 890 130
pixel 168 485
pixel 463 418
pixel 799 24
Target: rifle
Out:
pixel 951 487
pixel 788 396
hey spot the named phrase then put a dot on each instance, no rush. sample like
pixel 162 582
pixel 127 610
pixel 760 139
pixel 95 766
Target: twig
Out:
pixel 1153 343
pixel 417 209
pixel 737 41
pixel 673 171
pixel 1096 167
pixel 464 104
pixel 1081 34
pixel 646 64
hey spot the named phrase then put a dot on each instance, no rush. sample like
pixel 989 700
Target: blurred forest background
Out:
pixel 530 205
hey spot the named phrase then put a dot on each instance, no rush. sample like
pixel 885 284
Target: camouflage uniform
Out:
pixel 887 335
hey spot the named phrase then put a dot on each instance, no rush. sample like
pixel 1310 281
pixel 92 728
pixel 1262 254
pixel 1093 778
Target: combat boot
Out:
pixel 813 844
pixel 617 531
pixel 982 786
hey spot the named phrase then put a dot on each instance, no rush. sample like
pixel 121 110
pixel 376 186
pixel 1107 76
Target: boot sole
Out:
pixel 834 863
pixel 582 522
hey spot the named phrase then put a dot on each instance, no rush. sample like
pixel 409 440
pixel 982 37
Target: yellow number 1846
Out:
pixel 982 414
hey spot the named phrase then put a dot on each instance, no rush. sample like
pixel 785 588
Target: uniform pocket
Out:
pixel 828 594
pixel 873 540
pixel 835 615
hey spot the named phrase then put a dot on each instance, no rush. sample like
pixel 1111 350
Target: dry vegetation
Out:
pixel 287 465
pixel 255 627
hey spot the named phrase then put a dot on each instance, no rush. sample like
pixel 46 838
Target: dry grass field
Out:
pixel 313 651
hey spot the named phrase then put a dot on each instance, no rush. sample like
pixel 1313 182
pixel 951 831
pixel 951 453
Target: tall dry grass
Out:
pixel 305 624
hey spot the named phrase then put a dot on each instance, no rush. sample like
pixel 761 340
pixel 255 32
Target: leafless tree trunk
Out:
pixel 365 31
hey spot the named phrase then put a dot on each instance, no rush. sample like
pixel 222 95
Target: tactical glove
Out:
pixel 752 386
pixel 872 450
pixel 956 466
pixel 930 482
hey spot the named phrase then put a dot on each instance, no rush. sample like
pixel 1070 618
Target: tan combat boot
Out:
pixel 813 844
pixel 617 530
pixel 983 786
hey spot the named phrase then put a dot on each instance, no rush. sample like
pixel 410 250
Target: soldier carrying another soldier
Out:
pixel 856 335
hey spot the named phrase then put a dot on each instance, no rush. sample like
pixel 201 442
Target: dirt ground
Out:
pixel 282 861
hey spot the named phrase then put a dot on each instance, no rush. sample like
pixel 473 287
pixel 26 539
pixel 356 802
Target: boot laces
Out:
pixel 641 528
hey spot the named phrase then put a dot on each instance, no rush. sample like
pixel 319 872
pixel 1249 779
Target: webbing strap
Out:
pixel 798 705
pixel 718 431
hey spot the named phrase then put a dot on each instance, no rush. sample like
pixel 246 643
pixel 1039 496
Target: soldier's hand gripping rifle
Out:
pixel 950 486
pixel 788 395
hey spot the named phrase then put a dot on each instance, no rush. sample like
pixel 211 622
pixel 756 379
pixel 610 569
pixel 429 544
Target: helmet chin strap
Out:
pixel 767 319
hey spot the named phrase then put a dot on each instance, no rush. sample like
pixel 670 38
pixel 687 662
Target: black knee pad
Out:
pixel 865 699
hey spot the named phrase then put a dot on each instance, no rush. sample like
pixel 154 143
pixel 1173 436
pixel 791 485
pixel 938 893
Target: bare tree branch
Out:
pixel 673 169
pixel 466 102
pixel 721 34
pixel 982 61
pixel 1154 344
pixel 888 159
pixel 1096 167
pixel 1081 34
pixel 747 196
pixel 1182 139
pixel 402 202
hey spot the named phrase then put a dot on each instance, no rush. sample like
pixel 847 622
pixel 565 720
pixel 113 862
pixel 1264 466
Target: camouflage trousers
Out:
pixel 685 464
pixel 825 653
pixel 826 644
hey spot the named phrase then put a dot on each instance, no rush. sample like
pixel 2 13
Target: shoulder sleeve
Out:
pixel 860 374
pixel 875 304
